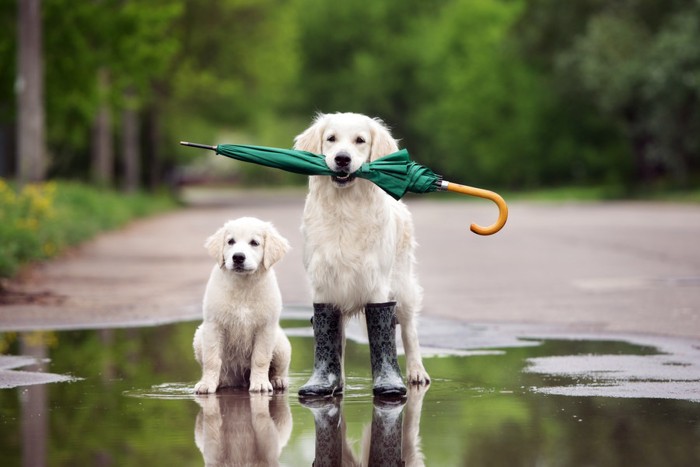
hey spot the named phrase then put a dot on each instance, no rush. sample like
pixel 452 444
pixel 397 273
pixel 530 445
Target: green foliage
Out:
pixel 638 64
pixel 130 43
pixel 506 93
pixel 39 221
pixel 486 108
pixel 452 81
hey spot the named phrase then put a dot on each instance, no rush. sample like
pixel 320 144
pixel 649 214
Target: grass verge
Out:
pixel 41 220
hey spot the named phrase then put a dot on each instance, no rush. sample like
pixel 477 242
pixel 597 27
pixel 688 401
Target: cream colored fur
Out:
pixel 240 341
pixel 250 431
pixel 358 241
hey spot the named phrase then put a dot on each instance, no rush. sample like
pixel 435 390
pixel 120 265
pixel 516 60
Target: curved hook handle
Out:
pixel 495 197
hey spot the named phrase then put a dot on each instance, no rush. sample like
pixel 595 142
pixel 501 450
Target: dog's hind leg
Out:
pixel 329 334
pixel 281 356
pixel 416 373
pixel 409 297
pixel 197 344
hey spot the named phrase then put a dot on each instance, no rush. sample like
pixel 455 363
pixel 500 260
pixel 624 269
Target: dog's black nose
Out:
pixel 342 159
pixel 238 258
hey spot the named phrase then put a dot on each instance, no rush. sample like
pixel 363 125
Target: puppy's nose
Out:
pixel 238 258
pixel 342 160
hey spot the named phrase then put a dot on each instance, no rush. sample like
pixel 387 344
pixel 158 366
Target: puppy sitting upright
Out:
pixel 240 343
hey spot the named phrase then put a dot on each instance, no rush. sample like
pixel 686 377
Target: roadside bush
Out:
pixel 40 220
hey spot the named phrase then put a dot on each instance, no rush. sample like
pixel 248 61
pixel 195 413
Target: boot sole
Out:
pixel 320 392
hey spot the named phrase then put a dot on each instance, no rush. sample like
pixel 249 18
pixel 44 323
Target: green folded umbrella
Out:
pixel 395 173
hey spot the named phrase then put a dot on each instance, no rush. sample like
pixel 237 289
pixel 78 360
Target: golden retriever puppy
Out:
pixel 248 430
pixel 240 342
pixel 359 256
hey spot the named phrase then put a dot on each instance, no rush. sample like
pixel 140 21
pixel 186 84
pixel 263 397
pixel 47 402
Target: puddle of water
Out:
pixel 545 402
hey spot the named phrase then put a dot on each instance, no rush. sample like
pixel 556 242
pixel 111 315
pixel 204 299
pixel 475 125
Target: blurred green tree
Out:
pixel 516 93
pixel 101 60
pixel 637 63
pixel 449 79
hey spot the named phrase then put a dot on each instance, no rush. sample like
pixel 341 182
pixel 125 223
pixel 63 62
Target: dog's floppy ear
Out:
pixel 276 246
pixel 382 141
pixel 215 245
pixel 310 139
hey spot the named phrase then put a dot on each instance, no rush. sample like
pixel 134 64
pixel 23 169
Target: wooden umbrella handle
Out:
pixel 495 197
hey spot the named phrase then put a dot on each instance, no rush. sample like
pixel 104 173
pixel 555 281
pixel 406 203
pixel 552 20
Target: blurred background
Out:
pixel 585 98
pixel 509 94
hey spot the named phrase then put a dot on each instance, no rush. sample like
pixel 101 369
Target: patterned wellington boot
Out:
pixel 385 442
pixel 327 378
pixel 381 325
pixel 329 423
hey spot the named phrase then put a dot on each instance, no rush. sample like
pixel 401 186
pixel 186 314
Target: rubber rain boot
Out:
pixel 387 430
pixel 327 378
pixel 381 330
pixel 329 423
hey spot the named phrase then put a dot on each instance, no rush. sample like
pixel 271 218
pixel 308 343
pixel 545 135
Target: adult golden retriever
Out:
pixel 358 241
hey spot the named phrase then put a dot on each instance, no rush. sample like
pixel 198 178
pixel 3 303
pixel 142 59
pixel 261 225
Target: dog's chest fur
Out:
pixel 350 242
pixel 239 308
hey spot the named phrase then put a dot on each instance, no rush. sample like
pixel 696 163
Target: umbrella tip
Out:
pixel 197 145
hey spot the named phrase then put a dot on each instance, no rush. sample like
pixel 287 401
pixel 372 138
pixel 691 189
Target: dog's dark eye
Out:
pixel 331 138
pixel 359 140
pixel 254 243
pixel 231 241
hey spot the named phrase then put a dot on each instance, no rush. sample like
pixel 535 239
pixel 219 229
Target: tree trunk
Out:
pixel 102 148
pixel 131 154
pixel 153 147
pixel 31 143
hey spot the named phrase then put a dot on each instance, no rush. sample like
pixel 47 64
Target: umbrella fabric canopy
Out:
pixel 300 162
pixel 395 173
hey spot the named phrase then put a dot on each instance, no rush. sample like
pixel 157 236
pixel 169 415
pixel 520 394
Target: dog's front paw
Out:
pixel 204 388
pixel 262 385
pixel 418 375
pixel 279 383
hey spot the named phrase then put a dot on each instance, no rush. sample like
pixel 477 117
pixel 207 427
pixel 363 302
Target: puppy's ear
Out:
pixel 382 141
pixel 215 245
pixel 310 139
pixel 276 246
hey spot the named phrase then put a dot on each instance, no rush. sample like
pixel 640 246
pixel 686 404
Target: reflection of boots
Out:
pixel 385 443
pixel 329 432
pixel 381 325
pixel 327 377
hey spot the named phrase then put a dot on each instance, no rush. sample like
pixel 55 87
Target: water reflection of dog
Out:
pixel 237 428
pixel 393 439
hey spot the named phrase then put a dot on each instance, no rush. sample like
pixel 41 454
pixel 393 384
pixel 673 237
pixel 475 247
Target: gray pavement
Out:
pixel 627 267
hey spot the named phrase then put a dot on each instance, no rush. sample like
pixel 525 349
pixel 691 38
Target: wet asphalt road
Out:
pixel 624 267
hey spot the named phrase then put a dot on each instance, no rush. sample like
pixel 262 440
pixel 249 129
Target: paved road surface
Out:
pixel 595 267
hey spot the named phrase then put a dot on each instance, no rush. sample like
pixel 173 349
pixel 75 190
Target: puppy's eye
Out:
pixel 254 243
pixel 331 139
pixel 231 241
pixel 359 140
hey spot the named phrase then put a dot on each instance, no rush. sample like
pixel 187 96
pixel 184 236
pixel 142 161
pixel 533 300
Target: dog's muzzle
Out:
pixel 343 179
pixel 238 263
pixel 342 166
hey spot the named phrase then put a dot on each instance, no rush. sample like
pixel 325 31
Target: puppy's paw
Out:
pixel 204 388
pixel 262 385
pixel 418 375
pixel 279 383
